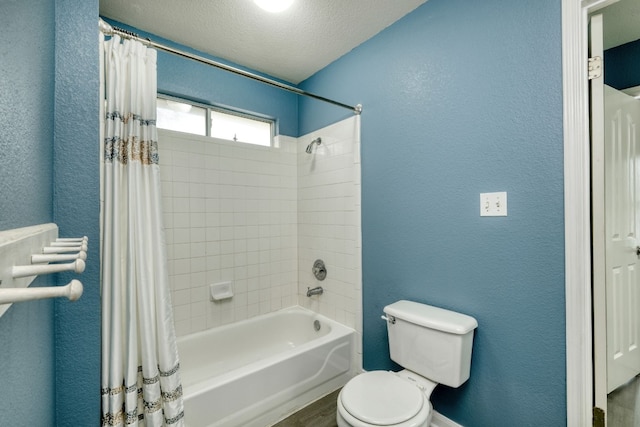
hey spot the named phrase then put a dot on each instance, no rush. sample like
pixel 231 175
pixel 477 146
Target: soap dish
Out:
pixel 221 291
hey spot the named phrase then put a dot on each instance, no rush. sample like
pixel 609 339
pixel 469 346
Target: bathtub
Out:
pixel 255 372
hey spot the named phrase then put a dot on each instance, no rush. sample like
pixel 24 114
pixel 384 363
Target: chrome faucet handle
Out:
pixel 319 270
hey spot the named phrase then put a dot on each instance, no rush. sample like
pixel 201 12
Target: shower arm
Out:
pixel 318 141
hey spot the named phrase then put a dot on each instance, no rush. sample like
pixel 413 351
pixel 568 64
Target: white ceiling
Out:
pixel 292 45
pixel 310 35
pixel 621 23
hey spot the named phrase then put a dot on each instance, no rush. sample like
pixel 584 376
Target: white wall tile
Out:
pixel 259 217
pixel 218 197
pixel 329 222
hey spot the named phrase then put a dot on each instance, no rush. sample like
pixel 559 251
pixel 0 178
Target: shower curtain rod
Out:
pixel 110 30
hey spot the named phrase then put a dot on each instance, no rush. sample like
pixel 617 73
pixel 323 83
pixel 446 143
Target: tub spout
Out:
pixel 315 291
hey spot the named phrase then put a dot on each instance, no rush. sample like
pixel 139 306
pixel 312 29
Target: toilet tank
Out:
pixel 431 341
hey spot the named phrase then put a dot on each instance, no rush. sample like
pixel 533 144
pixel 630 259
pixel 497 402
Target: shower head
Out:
pixel 310 146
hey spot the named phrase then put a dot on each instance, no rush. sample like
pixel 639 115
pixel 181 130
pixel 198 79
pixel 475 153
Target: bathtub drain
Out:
pixel 316 325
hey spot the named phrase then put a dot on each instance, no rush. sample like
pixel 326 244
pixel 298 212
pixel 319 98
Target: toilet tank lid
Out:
pixel 432 317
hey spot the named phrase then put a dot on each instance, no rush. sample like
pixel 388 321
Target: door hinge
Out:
pixel 598 417
pixel 595 67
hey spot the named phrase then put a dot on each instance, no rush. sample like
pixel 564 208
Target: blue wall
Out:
pixel 26 113
pixel 462 97
pixel 622 65
pixel 27 387
pixel 77 208
pixel 50 351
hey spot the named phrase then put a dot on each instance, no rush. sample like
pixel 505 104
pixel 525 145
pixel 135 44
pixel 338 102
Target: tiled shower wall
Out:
pixel 259 217
pixel 329 222
pixel 230 213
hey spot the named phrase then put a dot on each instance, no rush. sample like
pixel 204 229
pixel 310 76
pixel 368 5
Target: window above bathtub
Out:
pixel 185 116
pixel 181 116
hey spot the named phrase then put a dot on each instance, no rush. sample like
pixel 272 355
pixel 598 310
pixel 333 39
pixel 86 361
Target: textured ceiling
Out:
pixel 621 23
pixel 292 45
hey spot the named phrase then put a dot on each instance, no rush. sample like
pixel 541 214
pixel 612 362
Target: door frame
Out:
pixel 577 210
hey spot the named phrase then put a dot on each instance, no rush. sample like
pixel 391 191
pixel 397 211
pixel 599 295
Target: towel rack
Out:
pixel 31 251
pixel 73 291
pixel 38 258
pixel 34 270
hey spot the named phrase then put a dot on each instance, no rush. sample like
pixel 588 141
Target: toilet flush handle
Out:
pixel 389 319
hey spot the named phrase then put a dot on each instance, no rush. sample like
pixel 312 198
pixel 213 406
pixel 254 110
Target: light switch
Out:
pixel 493 204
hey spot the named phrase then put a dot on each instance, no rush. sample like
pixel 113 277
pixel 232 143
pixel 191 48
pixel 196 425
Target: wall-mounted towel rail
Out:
pixel 73 291
pixel 61 244
pixel 34 270
pixel 31 251
pixel 73 239
pixel 38 258
pixel 63 249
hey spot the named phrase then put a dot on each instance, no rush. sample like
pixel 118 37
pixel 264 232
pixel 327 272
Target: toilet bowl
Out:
pixel 433 345
pixel 381 398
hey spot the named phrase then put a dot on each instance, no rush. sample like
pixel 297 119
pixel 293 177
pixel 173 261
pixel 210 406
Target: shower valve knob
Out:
pixel 319 270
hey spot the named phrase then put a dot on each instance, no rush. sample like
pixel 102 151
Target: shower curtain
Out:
pixel 140 369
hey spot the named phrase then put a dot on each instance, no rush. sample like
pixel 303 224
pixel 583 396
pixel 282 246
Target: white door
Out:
pixel 615 197
pixel 622 186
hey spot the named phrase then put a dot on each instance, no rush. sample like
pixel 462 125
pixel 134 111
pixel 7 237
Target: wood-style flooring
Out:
pixel 321 413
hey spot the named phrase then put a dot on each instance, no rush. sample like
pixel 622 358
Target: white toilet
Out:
pixel 434 347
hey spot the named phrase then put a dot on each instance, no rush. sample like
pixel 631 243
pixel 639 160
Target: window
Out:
pixel 240 128
pixel 184 116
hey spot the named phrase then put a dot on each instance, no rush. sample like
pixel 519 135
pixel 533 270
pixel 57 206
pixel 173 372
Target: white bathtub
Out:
pixel 255 372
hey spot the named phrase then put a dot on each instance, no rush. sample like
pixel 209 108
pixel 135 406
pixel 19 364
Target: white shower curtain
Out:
pixel 140 369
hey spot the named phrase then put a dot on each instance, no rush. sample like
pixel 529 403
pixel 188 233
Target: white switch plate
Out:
pixel 493 204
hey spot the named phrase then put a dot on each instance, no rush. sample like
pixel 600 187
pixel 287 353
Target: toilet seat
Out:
pixel 381 398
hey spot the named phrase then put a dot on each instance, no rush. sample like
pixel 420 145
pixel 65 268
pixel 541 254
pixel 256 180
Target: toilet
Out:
pixel 433 345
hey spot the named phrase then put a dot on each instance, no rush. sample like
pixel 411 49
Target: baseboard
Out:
pixel 440 420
